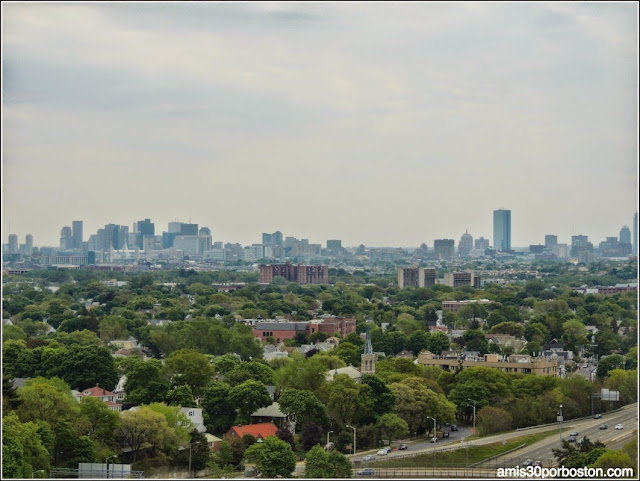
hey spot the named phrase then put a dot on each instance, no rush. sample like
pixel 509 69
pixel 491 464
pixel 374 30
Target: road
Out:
pixel 542 450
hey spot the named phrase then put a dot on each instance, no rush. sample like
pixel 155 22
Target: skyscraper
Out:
pixel 550 240
pixel 66 238
pixel 144 228
pixel 76 235
pixel 635 233
pixel 13 244
pixel 465 245
pixel 444 248
pixel 28 247
pixel 625 235
pixel 502 230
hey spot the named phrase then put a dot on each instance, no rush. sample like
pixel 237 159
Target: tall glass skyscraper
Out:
pixel 635 233
pixel 502 230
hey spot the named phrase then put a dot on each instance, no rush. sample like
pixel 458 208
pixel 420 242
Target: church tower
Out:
pixel 368 359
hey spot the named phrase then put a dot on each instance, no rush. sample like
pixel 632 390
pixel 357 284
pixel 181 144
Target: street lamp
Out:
pixel 560 420
pixel 435 437
pixel 190 445
pixel 354 441
pixel 107 462
pixel 474 414
pixel 328 439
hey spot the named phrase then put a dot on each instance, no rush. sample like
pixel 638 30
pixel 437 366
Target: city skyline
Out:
pixel 381 124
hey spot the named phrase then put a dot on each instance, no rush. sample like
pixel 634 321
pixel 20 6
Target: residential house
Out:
pixel 195 416
pixel 273 414
pixel 110 398
pixel 350 371
pixel 259 431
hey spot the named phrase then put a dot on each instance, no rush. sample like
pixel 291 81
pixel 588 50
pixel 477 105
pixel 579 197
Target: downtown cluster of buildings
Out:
pixel 118 246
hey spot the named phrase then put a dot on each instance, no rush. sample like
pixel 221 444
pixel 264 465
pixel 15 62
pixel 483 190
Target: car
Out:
pixel 366 472
pixel 603 426
pixel 447 424
pixel 572 439
pixel 433 440
pixel 388 449
pixel 597 416
pixel 574 433
pixel 368 457
pixel 454 427
pixel 445 434
pixel 537 463
pixel 528 462
pixel 382 452
pixel 402 447
pixel 619 426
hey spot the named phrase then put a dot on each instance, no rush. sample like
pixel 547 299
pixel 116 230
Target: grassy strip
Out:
pixel 458 457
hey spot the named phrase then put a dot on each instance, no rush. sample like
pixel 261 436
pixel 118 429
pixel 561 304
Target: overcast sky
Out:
pixel 378 123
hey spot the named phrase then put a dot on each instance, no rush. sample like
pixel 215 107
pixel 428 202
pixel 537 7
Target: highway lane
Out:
pixel 542 450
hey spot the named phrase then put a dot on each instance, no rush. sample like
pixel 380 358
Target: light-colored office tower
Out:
pixel 561 251
pixel 502 230
pixel 28 247
pixel 66 238
pixel 189 244
pixel 481 243
pixel 635 233
pixel 465 245
pixel 550 240
pixel 174 227
pixel 13 244
pixel 76 227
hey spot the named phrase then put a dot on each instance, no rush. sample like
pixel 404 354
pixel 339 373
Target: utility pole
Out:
pixel 436 438
pixel 328 439
pixel 354 441
pixel 560 421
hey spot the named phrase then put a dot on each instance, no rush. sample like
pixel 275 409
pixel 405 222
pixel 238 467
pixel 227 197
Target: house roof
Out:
pixel 350 371
pixel 96 391
pixel 261 430
pixel 272 411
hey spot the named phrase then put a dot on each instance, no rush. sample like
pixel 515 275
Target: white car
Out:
pixel 382 452
pixel 618 426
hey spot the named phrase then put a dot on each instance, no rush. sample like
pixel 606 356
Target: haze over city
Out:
pixel 383 124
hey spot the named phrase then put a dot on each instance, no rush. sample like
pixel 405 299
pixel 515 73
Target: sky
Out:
pixel 384 124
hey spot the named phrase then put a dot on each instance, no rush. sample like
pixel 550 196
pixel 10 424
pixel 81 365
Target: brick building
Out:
pixel 281 330
pixel 295 273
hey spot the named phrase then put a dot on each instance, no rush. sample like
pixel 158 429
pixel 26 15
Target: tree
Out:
pixel 145 426
pixel 343 398
pixel 392 426
pixel 287 436
pixel 248 397
pixel 438 342
pixel 273 457
pixel 609 363
pixel 304 405
pixel 85 367
pixel 218 410
pixel 493 420
pixel 384 399
pixel 320 464
pixel 23 452
pixel 44 401
pixel 181 396
pixel 145 382
pixel 256 370
pixel 310 435
pixel 191 366
pixel 475 341
pixel 177 421
pixel 102 422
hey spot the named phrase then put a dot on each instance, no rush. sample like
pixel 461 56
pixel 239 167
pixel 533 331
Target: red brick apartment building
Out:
pixel 295 273
pixel 281 330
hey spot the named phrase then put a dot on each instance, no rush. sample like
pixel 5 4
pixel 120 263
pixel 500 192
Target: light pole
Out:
pixel 560 420
pixel 474 415
pixel 107 462
pixel 328 439
pixel 435 437
pixel 354 441
pixel 190 446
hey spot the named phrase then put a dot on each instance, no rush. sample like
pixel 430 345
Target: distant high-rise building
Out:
pixel 76 227
pixel 334 245
pixel 174 227
pixel 267 239
pixel 66 238
pixel 204 231
pixel 635 233
pixel 502 230
pixel 416 277
pixel 550 240
pixel 189 229
pixel 444 248
pixel 13 244
pixel 28 247
pixel 625 235
pixel 123 238
pixel 277 238
pixel 110 237
pixel 144 228
pixel 481 243
pixel 580 244
pixel 461 279
pixel 295 273
pixel 465 245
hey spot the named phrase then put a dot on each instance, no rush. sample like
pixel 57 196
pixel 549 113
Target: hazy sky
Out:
pixel 377 123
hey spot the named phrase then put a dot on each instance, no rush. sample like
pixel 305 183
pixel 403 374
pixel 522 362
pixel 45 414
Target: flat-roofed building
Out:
pixel 455 306
pixel 462 279
pixel 294 273
pixel 416 277
pixel 520 364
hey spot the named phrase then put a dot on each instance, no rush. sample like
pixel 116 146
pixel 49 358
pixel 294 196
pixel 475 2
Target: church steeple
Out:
pixel 368 359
